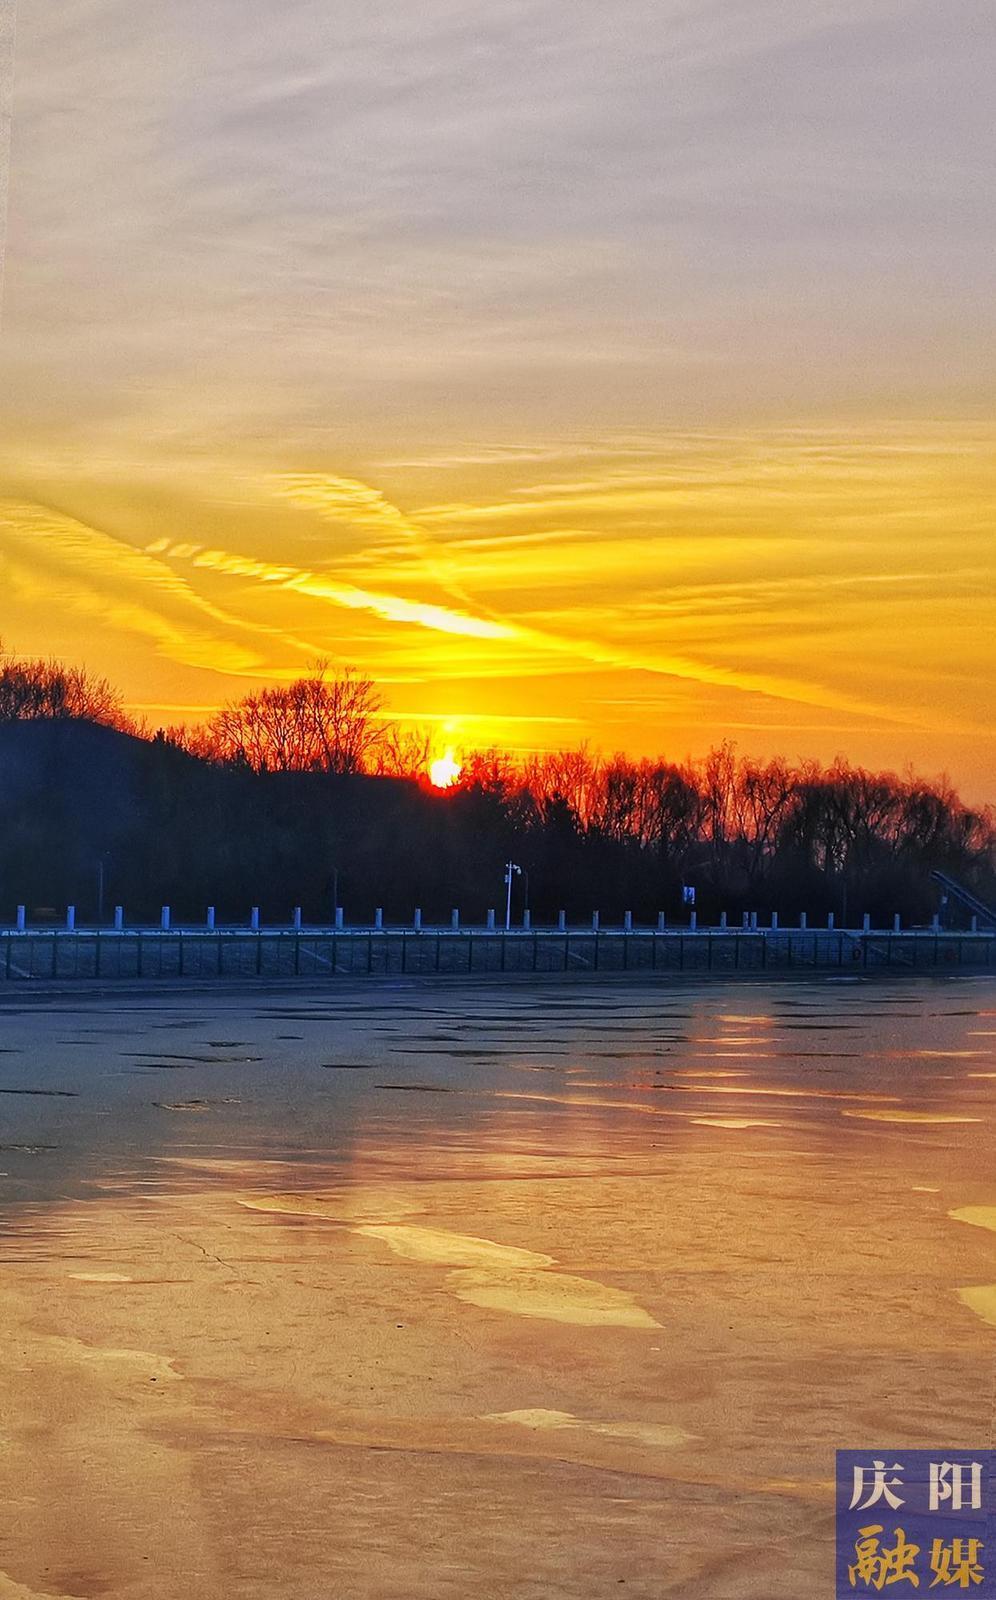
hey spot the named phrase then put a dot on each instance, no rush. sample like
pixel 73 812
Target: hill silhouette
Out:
pixel 171 828
pixel 164 825
pixel 302 794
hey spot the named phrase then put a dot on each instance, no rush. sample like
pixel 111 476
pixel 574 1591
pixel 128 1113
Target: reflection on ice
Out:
pixel 978 1216
pixel 656 1435
pixel 908 1116
pixel 982 1301
pixel 421 1334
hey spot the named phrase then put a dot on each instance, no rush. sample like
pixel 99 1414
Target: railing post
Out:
pixel 338 918
pixel 70 918
pixel 418 919
pixel 491 922
pixel 379 917
pixel 210 919
pixel 803 921
pixel 561 921
pixel 22 918
pixel 254 919
pixel 628 921
pixel 119 919
pixel 164 919
pixel 722 920
pixel 455 920
pixel 296 919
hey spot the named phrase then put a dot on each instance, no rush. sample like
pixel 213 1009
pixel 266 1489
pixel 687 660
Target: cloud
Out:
pixel 407 224
pixel 545 642
pixel 608 312
pixel 391 608
pixel 72 566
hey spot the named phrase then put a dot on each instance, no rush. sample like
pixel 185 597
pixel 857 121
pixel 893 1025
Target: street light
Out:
pixel 511 871
pixel 101 863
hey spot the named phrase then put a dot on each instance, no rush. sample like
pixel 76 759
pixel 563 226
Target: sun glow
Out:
pixel 445 771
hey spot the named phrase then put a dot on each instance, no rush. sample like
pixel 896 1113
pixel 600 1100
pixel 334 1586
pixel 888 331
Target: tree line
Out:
pixel 292 792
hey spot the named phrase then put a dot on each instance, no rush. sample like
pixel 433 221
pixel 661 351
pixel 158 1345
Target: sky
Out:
pixel 618 373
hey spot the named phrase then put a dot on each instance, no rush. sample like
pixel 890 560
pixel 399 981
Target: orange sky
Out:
pixel 639 399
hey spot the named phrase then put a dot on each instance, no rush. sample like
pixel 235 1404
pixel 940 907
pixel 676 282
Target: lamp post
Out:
pixel 511 871
pixel 102 864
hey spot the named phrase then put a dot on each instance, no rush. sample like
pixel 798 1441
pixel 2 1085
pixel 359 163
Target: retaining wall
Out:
pixel 179 954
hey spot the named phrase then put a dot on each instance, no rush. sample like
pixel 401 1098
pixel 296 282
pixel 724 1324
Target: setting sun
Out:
pixel 444 772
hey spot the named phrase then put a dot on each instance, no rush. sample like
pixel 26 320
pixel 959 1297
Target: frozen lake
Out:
pixel 522 1290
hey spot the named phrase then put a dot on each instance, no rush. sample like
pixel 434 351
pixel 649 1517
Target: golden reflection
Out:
pixel 976 1216
pixel 438 1248
pixel 401 1306
pixel 736 1122
pixel 982 1301
pixel 483 1273
pixel 656 1435
pixel 552 1297
pixel 909 1116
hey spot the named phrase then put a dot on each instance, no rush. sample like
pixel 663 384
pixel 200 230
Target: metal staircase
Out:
pixel 976 907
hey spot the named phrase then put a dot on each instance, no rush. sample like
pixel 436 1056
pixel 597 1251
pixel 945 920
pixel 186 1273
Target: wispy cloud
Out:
pixel 567 642
pixel 392 608
pixel 509 360
pixel 75 567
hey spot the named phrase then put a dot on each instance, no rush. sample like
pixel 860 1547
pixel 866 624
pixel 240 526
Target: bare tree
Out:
pixel 317 724
pixel 404 752
pixel 32 689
